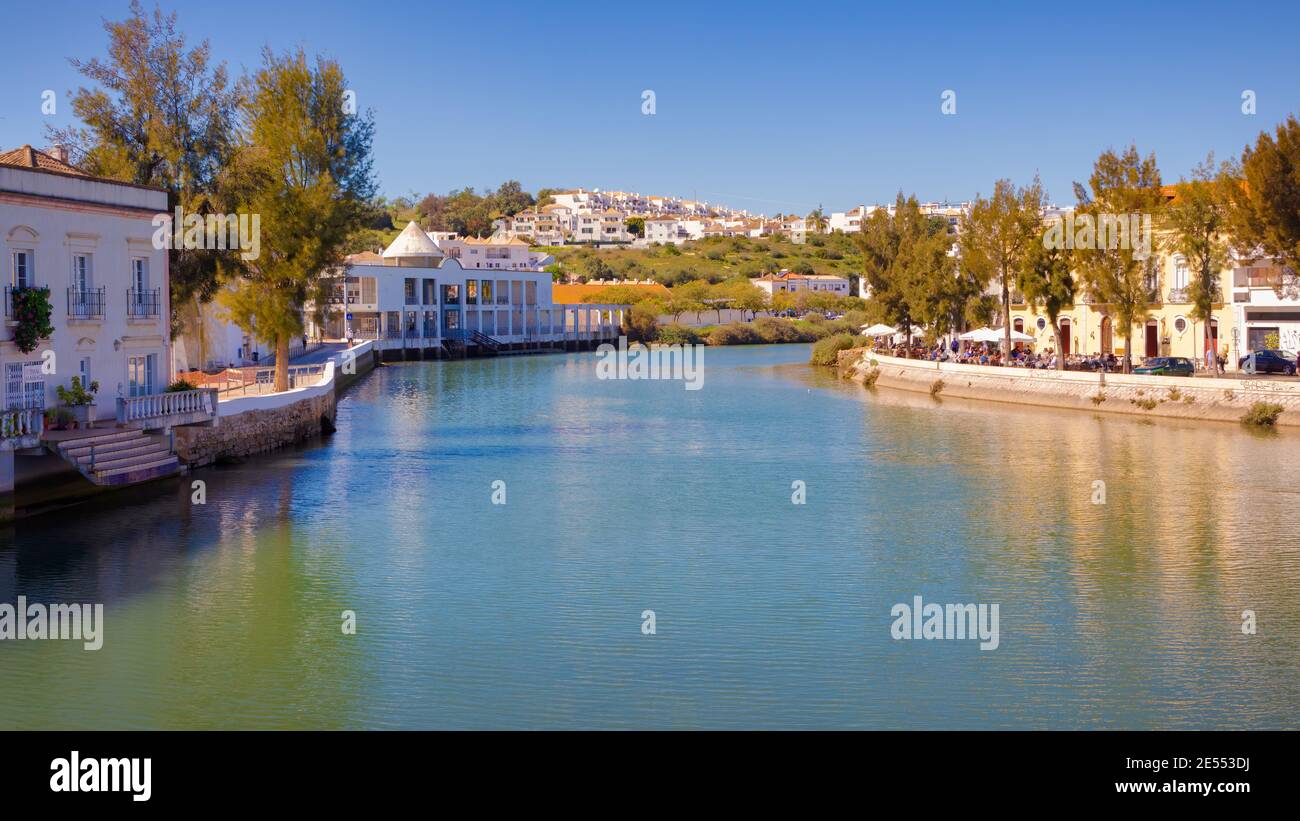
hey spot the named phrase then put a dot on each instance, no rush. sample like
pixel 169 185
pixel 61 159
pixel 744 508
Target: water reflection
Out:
pixel 626 496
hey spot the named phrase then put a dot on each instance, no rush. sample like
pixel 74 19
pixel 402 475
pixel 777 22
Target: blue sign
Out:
pixel 349 317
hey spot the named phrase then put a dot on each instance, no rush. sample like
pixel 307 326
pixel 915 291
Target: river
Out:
pixel 622 497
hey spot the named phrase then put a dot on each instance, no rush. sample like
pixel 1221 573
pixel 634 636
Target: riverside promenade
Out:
pixel 1220 399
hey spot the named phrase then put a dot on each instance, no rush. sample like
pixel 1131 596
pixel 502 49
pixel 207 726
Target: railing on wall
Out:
pixel 143 304
pixel 86 304
pixel 161 405
pixel 25 422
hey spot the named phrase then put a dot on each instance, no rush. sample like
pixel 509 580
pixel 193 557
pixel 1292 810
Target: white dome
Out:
pixel 412 242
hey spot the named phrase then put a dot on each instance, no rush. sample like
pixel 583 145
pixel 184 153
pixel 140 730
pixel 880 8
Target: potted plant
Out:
pixel 80 401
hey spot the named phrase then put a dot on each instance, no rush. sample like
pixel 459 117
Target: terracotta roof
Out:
pixel 573 294
pixel 365 258
pixel 28 157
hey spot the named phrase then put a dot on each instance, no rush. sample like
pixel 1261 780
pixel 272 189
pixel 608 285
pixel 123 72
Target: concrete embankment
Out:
pixel 1224 399
pixel 246 426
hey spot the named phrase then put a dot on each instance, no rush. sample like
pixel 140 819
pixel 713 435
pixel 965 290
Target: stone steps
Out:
pixel 120 457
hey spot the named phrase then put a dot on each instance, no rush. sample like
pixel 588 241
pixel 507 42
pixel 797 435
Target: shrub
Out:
pixel 1145 404
pixel 936 387
pixel 1098 398
pixel 1175 394
pixel 1262 414
pixel 774 329
pixel 678 335
pixel 77 395
pixel 869 379
pixel 181 385
pixel 736 333
pixel 827 351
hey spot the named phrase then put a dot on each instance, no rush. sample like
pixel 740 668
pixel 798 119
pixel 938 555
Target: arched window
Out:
pixel 1180 273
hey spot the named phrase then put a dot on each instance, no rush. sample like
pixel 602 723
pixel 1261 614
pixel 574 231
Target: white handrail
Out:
pixel 157 405
pixel 24 422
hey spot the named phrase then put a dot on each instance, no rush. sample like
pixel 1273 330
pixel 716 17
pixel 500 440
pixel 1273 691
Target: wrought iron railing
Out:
pixel 86 303
pixel 143 304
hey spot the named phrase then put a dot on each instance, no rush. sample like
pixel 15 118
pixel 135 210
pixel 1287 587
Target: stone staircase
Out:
pixel 121 456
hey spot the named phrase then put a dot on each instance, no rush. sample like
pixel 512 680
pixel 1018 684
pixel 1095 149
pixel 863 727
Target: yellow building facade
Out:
pixel 1167 330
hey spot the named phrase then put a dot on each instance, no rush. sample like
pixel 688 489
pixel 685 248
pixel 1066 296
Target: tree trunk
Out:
pixel 1210 351
pixel 1128 350
pixel 1006 317
pixel 1056 335
pixel 281 363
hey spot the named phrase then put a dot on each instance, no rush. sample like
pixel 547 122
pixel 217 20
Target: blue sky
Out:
pixel 766 106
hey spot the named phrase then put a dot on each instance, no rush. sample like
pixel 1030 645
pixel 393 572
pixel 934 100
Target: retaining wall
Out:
pixel 1223 399
pixel 247 425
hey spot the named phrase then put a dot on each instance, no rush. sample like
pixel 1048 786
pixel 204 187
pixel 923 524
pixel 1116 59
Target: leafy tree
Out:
pixel 997 238
pixel 635 226
pixel 946 290
pixel 816 220
pixel 597 268
pixel 1124 278
pixel 1264 206
pixel 163 115
pixel 1047 282
pixel 746 296
pixel 890 246
pixel 694 295
pixel 307 171
pixel 509 199
pixel 1196 221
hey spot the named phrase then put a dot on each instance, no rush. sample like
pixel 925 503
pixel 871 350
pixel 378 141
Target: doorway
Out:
pixel 1106 344
pixel 1065 336
pixel 1152 340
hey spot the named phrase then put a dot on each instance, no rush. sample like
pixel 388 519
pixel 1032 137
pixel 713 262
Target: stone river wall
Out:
pixel 256 431
pixel 1224 399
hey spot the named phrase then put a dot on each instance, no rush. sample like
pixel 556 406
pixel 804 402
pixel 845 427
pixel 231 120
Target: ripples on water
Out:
pixel 628 496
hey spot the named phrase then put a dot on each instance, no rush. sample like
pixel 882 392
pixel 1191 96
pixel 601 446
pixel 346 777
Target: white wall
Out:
pixel 112 224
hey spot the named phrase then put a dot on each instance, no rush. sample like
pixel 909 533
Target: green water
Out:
pixel 627 496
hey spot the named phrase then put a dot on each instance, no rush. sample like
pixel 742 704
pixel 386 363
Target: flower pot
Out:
pixel 83 415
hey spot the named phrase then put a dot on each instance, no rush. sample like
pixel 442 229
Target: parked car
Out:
pixel 1167 366
pixel 1267 361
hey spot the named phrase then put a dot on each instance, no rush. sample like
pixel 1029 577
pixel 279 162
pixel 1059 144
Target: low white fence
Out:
pixel 163 405
pixel 22 423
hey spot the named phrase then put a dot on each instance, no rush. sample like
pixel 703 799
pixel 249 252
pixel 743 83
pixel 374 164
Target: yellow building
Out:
pixel 1167 330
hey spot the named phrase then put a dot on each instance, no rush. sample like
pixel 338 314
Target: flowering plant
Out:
pixel 31 307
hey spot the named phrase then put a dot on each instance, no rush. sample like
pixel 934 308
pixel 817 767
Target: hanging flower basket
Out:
pixel 31 307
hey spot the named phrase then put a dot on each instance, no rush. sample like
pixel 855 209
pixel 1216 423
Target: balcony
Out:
pixel 1257 276
pixel 143 304
pixel 86 304
pixel 1179 296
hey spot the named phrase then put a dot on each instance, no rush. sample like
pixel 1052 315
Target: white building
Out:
pixel 666 230
pixel 421 297
pixel 89 243
pixel 786 282
pixel 1265 305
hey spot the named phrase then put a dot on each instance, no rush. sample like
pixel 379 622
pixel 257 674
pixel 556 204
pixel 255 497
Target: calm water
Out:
pixel 632 496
